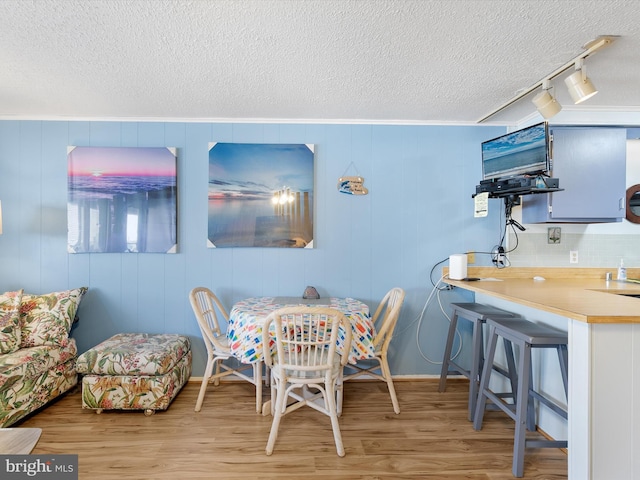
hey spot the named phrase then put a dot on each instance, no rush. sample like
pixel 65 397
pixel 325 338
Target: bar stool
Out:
pixel 476 313
pixel 525 335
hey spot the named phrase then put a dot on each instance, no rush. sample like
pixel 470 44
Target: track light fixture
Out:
pixel 546 103
pixel 579 85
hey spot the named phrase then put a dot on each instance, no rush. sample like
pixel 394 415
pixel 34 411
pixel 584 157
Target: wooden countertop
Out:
pixel 577 293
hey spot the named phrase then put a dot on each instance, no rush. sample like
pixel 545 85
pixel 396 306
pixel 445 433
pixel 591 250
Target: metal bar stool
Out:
pixel 525 335
pixel 476 313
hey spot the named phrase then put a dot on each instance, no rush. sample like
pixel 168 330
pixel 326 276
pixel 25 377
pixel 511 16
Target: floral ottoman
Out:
pixel 134 371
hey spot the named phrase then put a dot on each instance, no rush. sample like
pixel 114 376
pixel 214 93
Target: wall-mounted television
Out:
pixel 519 153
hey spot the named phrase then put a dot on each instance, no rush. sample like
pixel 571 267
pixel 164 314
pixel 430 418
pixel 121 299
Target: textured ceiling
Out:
pixel 409 61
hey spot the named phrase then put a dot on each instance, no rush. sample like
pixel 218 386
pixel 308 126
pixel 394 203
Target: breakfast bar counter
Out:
pixel 578 293
pixel 602 320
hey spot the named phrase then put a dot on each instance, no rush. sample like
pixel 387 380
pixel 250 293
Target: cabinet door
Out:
pixel 590 163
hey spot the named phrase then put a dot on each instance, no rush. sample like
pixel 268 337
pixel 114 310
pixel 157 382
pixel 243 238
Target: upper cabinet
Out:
pixel 590 163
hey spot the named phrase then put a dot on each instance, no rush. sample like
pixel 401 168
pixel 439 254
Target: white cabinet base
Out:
pixel 604 389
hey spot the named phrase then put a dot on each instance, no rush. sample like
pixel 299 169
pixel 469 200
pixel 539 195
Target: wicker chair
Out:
pixel 204 304
pixel 384 319
pixel 305 358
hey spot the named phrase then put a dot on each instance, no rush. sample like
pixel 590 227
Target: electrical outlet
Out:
pixel 573 256
pixel 471 257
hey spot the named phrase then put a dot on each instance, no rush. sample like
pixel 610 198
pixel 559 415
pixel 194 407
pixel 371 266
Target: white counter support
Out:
pixel 604 394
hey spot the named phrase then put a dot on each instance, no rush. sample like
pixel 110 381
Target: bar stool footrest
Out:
pixel 550 404
pixel 457 370
pixel 546 443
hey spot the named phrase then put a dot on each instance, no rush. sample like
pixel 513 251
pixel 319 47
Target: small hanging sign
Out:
pixel 352 186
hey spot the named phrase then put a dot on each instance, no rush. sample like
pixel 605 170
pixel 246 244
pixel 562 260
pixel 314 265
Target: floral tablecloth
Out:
pixel 247 317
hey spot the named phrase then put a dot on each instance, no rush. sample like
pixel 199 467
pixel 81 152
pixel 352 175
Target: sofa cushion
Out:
pixel 134 354
pixel 47 319
pixel 10 321
pixel 33 361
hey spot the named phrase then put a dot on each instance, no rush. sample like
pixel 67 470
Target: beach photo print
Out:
pixel 260 195
pixel 122 200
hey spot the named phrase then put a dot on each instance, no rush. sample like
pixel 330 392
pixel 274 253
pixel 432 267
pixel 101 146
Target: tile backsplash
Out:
pixel 599 250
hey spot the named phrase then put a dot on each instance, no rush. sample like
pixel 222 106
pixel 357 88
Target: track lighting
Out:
pixel 546 103
pixel 579 85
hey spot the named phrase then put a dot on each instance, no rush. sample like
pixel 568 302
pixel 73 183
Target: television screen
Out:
pixel 523 152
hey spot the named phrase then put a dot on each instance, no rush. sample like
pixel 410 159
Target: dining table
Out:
pixel 247 317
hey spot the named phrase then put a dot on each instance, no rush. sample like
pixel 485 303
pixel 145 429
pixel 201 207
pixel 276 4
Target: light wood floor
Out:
pixel 431 438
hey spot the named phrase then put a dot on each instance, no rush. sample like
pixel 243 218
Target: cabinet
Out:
pixel 590 163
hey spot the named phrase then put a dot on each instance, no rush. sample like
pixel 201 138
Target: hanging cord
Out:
pixel 436 290
pixel 436 287
pixel 350 166
pixel 499 250
pixel 446 287
pixel 419 317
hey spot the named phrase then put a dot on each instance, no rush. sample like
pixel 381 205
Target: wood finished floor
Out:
pixel 431 438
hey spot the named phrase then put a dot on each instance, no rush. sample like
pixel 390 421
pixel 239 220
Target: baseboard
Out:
pixel 549 437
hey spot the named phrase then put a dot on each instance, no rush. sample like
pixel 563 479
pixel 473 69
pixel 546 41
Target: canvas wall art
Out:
pixel 122 200
pixel 261 195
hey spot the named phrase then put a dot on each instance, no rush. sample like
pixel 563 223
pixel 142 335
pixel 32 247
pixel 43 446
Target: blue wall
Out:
pixel 418 211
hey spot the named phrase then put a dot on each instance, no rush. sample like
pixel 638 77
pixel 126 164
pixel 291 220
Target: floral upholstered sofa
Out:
pixel 37 356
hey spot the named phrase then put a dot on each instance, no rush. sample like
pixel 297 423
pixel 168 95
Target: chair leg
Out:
pixel 531 408
pixel 386 373
pixel 274 395
pixel 216 382
pixel 205 383
pixel 484 380
pixel 511 367
pixel 447 352
pixel 330 401
pixel 524 369
pixel 277 410
pixel 563 357
pixel 339 394
pixel 477 363
pixel 257 380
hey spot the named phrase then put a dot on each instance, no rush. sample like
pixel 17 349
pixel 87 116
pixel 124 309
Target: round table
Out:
pixel 247 317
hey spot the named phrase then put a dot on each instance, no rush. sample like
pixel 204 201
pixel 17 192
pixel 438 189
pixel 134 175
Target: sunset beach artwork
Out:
pixel 122 200
pixel 261 195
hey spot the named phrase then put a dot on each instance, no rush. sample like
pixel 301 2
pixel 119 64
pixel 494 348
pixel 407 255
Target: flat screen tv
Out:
pixel 519 153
